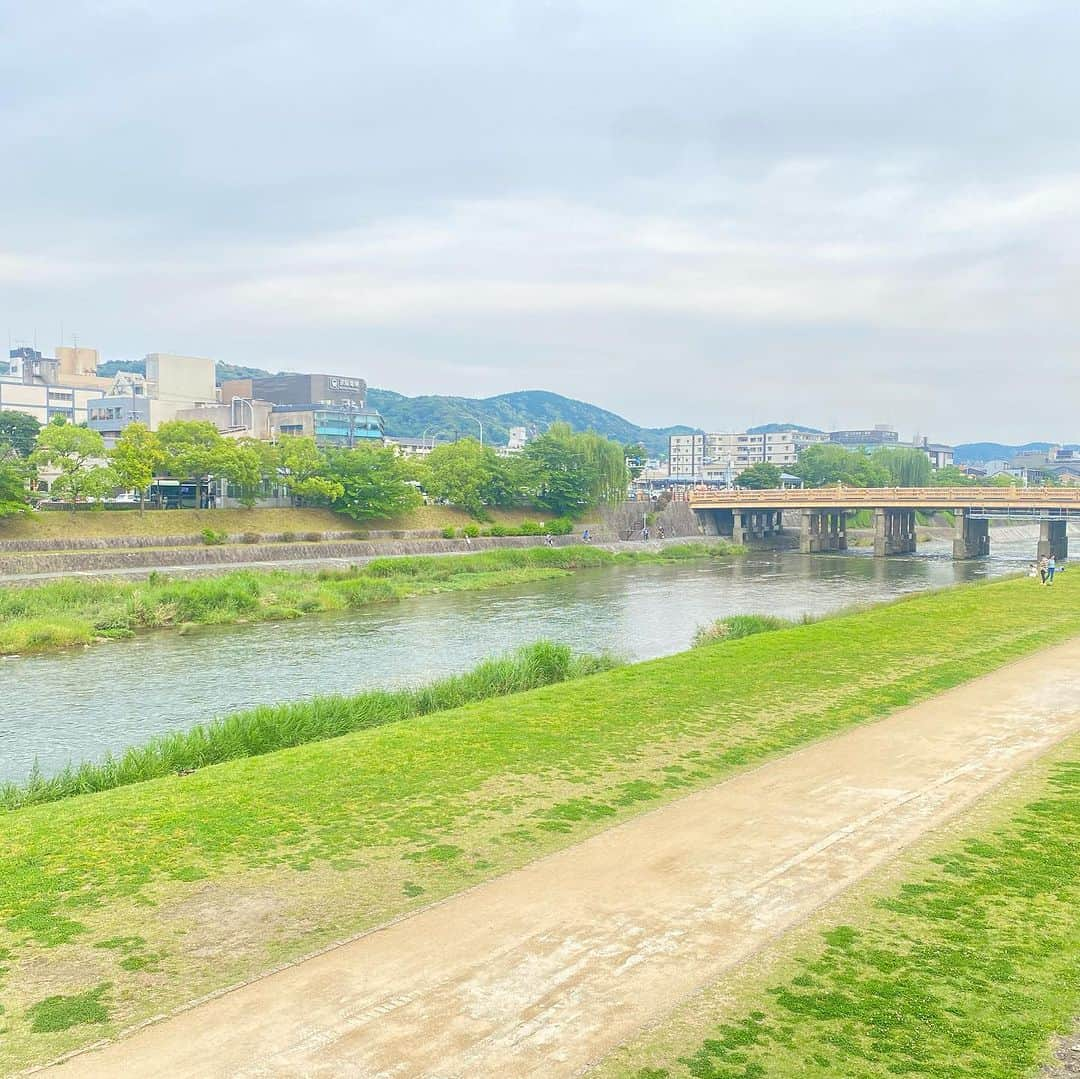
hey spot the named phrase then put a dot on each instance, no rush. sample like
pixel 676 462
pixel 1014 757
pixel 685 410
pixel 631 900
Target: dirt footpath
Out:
pixel 545 969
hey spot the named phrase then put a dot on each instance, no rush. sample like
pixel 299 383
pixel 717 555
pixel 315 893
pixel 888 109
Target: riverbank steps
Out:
pixel 75 612
pixel 273 727
pixel 961 961
pixel 153 894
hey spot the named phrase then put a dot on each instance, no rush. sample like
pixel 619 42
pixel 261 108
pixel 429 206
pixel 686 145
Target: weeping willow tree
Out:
pixel 577 470
pixel 907 467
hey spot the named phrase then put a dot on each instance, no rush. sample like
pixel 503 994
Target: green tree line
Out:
pixel 562 472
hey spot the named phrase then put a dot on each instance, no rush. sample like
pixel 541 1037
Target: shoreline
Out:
pixel 76 612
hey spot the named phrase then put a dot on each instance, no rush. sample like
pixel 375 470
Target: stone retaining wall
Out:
pixel 89 560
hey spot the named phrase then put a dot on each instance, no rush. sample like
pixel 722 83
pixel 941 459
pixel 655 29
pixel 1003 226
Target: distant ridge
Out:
pixel 772 428
pixel 534 410
pixel 451 417
pixel 973 453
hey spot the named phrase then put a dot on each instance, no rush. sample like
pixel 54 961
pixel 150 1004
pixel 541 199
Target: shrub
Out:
pixel 530 528
pixel 288 537
pixel 472 531
pixel 738 625
pixel 449 533
pixel 561 526
pixel 212 538
pixel 501 530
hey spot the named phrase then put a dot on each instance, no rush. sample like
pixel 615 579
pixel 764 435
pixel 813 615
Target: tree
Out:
pixel 374 482
pixel 19 430
pixel 13 477
pixel 135 458
pixel 906 466
pixel 195 450
pixel 952 476
pixel 303 468
pixel 576 470
pixel 635 454
pixel 759 477
pixel 248 463
pixel 75 452
pixel 463 473
pixel 824 463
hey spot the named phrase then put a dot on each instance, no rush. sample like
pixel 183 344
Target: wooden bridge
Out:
pixel 824 511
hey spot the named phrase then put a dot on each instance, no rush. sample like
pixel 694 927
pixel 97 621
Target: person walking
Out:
pixel 1042 570
pixel 660 529
pixel 1051 569
pixel 585 537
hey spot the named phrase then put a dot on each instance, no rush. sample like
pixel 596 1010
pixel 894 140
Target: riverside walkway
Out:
pixel 545 969
pixel 743 514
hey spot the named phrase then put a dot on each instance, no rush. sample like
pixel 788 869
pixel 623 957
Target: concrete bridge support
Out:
pixel 823 530
pixel 894 532
pixel 1054 540
pixel 755 524
pixel 972 537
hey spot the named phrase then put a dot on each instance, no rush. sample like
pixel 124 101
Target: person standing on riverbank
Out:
pixel 1051 569
pixel 1042 570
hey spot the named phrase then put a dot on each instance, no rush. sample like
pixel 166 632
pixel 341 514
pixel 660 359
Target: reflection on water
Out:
pixel 78 705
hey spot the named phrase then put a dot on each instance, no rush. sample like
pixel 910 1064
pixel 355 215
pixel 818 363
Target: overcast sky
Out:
pixel 709 213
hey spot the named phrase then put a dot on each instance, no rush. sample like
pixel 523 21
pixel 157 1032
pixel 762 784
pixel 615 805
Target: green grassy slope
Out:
pixel 326 839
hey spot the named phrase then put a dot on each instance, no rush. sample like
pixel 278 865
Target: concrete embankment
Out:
pixel 24 569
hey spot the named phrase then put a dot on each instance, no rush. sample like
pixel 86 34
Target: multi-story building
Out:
pixel 172 384
pixel 723 456
pixel 329 408
pixel 880 434
pixel 45 388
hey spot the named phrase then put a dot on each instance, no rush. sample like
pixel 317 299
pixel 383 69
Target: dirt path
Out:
pixel 541 971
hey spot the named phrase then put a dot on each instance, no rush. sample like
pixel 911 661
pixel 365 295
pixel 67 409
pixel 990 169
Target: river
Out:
pixel 78 705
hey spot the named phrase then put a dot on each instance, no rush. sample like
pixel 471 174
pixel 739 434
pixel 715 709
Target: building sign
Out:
pixel 345 383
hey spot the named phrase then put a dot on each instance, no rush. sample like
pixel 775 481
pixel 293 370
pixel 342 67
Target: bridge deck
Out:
pixel 977 500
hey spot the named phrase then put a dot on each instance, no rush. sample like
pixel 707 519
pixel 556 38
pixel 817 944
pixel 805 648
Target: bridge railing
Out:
pixel 841 497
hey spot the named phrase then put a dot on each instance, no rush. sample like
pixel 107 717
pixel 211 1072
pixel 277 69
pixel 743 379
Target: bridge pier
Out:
pixel 972 537
pixel 894 532
pixel 1054 540
pixel 755 524
pixel 823 530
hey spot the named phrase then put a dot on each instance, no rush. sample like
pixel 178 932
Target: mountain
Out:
pixel 772 428
pixel 451 417
pixel 534 410
pixel 973 453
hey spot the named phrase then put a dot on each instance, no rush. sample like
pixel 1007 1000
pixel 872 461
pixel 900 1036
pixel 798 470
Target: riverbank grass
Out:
pixel 961 962
pixel 78 612
pixel 268 728
pixel 224 873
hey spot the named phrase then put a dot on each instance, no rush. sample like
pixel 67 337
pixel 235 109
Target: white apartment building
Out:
pixel 724 455
pixel 45 387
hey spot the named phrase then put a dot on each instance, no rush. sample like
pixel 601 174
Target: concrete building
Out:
pixel 722 456
pixel 880 434
pixel 329 408
pixel 172 384
pixel 240 418
pixel 40 387
pixel 412 447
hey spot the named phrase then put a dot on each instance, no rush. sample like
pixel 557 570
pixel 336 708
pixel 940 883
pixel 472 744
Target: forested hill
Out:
pixel 532 409
pixel 978 452
pixel 449 417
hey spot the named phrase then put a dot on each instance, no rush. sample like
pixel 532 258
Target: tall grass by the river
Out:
pixel 77 612
pixel 272 727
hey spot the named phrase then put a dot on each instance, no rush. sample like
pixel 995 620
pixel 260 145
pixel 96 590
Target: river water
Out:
pixel 78 705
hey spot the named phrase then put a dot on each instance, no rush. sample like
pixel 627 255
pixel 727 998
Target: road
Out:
pixel 543 970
